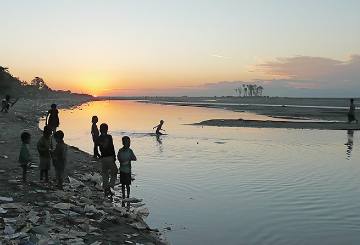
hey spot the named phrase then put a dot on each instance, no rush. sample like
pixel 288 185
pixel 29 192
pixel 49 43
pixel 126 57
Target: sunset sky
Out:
pixel 290 47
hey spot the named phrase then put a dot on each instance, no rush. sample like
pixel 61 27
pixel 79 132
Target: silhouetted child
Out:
pixel 53 115
pixel 44 148
pixel 24 156
pixel 108 165
pixel 159 127
pixel 95 134
pixel 351 114
pixel 125 156
pixel 5 104
pixel 59 158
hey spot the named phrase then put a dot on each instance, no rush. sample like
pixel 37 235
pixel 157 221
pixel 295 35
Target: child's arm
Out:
pixel 58 155
pixel 42 147
pixel 132 156
pixel 46 119
pixel 120 157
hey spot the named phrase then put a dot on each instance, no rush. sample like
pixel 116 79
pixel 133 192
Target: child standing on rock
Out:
pixel 108 166
pixel 44 148
pixel 25 157
pixel 95 134
pixel 125 156
pixel 53 115
pixel 59 158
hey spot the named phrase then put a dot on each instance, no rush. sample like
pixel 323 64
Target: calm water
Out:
pixel 233 185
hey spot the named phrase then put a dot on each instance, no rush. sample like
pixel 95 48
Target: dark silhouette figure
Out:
pixel 44 148
pixel 159 128
pixel 107 157
pixel 53 116
pixel 59 156
pixel 351 114
pixel 95 134
pixel 125 156
pixel 5 104
pixel 24 156
pixel 350 143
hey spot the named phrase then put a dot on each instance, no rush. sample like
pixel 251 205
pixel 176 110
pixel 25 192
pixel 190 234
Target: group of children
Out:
pixel 104 142
pixel 44 147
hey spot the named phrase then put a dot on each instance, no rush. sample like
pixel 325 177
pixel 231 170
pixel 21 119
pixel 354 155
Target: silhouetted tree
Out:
pixel 239 90
pixel 39 83
pixel 245 90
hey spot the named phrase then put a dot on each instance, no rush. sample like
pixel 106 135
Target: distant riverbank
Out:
pixel 331 112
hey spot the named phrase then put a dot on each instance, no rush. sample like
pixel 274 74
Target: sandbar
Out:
pixel 294 113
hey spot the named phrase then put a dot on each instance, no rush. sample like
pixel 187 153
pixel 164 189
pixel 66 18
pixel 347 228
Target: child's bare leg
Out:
pixel 123 190
pixel 46 175
pixel 128 190
pixel 24 173
pixel 41 174
pixel 60 183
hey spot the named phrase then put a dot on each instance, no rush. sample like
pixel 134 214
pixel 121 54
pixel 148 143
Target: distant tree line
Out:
pixel 35 88
pixel 248 90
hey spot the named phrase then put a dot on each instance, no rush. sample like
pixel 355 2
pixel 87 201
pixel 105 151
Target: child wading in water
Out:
pixel 125 156
pixel 95 134
pixel 25 157
pixel 44 148
pixel 59 158
pixel 159 127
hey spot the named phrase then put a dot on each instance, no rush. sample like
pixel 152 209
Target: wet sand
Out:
pixel 33 210
pixel 314 113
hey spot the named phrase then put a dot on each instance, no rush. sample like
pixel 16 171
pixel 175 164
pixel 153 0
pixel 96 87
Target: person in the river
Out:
pixel 125 156
pixel 159 127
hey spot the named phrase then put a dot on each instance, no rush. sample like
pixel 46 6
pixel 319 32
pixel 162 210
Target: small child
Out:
pixel 5 104
pixel 95 134
pixel 59 158
pixel 159 127
pixel 25 157
pixel 125 156
pixel 44 148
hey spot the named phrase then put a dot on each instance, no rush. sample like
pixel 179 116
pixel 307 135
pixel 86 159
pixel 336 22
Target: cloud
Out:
pixel 316 71
pixel 303 76
pixel 220 56
pixel 221 85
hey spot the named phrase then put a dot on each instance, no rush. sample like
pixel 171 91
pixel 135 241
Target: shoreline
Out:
pixel 330 112
pixel 40 212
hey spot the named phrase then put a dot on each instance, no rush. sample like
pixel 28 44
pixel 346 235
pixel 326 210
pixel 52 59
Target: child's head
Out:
pixel 59 136
pixel 351 100
pixel 7 97
pixel 104 128
pixel 161 121
pixel 47 131
pixel 53 106
pixel 126 142
pixel 94 119
pixel 25 137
